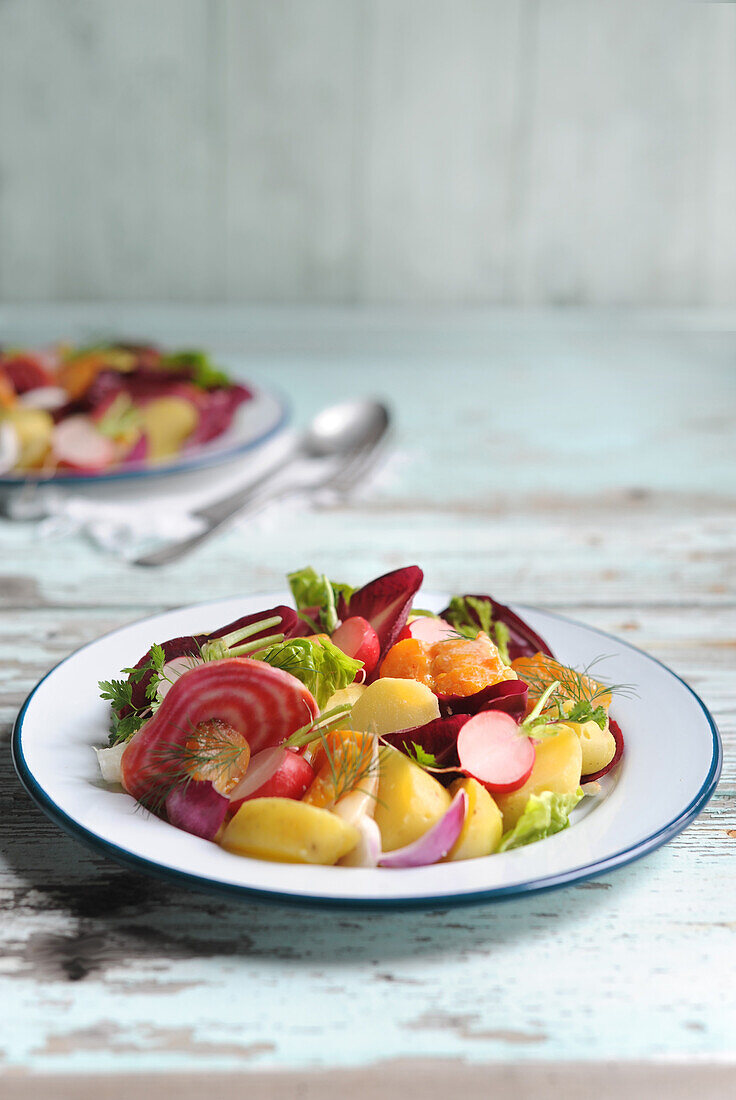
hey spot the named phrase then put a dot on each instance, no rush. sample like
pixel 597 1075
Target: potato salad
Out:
pixel 356 728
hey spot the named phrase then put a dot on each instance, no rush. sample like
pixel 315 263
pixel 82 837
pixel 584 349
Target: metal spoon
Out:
pixel 337 431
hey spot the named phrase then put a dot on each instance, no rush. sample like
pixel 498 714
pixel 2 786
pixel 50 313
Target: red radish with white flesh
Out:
pixel 497 752
pixel 385 602
pixel 428 629
pixel 197 808
pixel 273 773
pixel 264 704
pixel 45 397
pixel 77 443
pixel 433 845
pixel 357 638
pixel 171 672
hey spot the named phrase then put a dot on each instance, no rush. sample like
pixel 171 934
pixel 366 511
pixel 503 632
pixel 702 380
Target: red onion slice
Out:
pixel 197 808
pixel 435 843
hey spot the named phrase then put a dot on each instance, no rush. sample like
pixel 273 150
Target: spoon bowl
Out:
pixel 344 428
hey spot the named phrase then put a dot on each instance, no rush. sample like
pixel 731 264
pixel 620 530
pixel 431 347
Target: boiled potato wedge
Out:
pixel 409 800
pixel 288 831
pixel 483 826
pixel 557 767
pixel 33 428
pixel 390 704
pixel 345 697
pixel 167 421
pixel 598 745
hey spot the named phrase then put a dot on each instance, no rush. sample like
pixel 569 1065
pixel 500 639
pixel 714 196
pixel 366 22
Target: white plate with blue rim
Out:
pixel 254 422
pixel 645 801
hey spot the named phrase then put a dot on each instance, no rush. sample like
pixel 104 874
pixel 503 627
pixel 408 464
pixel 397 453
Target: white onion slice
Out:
pixel 110 761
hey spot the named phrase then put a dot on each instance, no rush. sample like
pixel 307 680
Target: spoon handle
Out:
pixel 217 511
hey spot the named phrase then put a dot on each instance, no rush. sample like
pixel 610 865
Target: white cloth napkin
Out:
pixel 126 518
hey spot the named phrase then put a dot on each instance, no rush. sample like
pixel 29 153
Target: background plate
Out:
pixel 254 422
pixel 651 797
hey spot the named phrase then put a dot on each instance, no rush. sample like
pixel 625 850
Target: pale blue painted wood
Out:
pixel 633 966
pixel 454 151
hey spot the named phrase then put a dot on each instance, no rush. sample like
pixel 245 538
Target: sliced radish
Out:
pixel 171 672
pixel 49 398
pixel 197 808
pixel 77 443
pixel 496 751
pixel 357 638
pixel 428 629
pixel 385 602
pixel 262 703
pixel 436 842
pixel 273 773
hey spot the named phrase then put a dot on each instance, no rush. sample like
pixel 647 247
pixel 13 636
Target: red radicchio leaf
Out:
pixel 523 641
pixel 217 411
pixel 190 644
pixel 26 372
pixel 197 808
pixel 438 737
pixel 385 602
pixel 619 739
pixel 509 696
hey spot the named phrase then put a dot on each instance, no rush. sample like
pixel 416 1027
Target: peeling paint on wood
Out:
pixel 111 972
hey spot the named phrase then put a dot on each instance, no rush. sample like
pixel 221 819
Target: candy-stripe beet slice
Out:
pixel 262 703
pixel 189 645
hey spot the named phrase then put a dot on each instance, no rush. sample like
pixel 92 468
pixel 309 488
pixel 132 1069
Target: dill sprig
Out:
pixel 215 757
pixel 578 687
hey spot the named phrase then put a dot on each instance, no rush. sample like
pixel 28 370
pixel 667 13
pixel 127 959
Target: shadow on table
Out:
pixel 103 916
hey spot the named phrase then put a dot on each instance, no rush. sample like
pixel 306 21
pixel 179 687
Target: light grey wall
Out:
pixel 423 151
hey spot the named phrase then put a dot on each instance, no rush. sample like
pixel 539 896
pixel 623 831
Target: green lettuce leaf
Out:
pixel 205 374
pixel 313 590
pixel 545 815
pixel 321 666
pixel 461 618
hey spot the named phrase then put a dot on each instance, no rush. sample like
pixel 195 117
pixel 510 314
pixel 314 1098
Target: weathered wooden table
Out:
pixel 585 463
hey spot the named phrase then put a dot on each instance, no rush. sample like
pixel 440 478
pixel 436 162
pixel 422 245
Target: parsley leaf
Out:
pixel 420 756
pixel 583 711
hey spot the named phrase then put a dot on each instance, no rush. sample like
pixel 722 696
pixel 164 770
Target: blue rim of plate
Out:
pixel 498 893
pixel 188 465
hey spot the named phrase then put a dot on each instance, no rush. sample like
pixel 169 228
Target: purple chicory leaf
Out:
pixel 507 695
pixel 523 641
pixel 436 842
pixel 197 808
pixel 385 602
pixel 438 738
